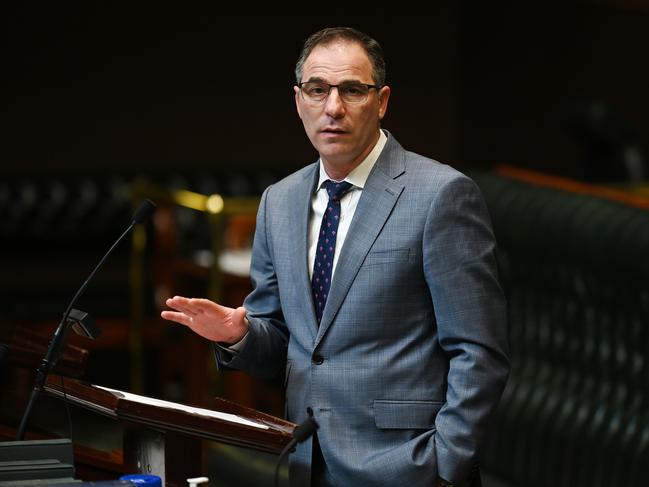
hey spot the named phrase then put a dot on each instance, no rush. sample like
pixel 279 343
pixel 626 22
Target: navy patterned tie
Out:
pixel 324 254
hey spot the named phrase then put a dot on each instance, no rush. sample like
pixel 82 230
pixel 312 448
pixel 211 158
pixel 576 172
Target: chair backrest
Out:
pixel 575 267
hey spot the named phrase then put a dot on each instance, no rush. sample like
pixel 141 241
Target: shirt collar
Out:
pixel 358 176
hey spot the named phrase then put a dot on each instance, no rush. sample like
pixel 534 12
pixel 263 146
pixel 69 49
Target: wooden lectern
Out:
pixel 164 438
pixel 159 437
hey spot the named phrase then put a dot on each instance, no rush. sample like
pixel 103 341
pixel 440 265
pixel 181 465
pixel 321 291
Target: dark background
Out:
pixel 99 88
pixel 97 95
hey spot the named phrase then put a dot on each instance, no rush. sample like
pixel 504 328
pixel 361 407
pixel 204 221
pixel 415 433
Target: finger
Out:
pixel 206 306
pixel 195 306
pixel 188 310
pixel 183 305
pixel 178 301
pixel 181 318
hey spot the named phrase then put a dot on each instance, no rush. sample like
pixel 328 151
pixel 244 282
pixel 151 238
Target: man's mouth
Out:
pixel 333 130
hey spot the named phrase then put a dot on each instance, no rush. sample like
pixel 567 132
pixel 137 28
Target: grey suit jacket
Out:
pixel 411 355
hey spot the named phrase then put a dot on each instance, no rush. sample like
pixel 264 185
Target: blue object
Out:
pixel 143 479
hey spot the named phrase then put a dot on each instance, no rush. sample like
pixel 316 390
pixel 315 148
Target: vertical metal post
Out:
pixel 145 449
pixel 137 309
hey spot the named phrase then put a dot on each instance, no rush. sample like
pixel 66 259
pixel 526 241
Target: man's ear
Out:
pixel 296 89
pixel 384 96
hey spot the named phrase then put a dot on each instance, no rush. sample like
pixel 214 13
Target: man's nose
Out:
pixel 334 105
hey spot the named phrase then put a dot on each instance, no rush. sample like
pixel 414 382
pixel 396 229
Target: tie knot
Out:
pixel 336 190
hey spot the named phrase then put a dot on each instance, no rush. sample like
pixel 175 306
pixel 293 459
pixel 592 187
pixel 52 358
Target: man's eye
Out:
pixel 352 90
pixel 316 89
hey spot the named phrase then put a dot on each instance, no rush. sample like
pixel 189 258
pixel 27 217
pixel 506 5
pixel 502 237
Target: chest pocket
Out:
pixel 387 256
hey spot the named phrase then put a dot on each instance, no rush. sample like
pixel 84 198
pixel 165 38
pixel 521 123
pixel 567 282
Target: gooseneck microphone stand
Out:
pixel 301 433
pixel 58 339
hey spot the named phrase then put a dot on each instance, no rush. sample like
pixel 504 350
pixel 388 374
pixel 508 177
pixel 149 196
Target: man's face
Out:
pixel 343 133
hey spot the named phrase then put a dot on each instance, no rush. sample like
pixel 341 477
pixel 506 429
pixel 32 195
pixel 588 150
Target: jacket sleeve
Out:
pixel 461 272
pixel 264 352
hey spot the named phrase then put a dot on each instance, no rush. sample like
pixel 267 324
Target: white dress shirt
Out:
pixel 320 200
pixel 357 177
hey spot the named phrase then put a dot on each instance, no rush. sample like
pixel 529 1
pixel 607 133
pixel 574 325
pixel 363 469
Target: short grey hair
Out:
pixel 332 34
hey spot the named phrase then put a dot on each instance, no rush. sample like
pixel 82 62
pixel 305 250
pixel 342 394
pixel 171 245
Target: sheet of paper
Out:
pixel 232 418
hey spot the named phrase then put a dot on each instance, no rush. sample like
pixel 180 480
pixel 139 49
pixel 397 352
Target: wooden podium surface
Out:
pixel 158 437
pixel 226 422
pixel 165 438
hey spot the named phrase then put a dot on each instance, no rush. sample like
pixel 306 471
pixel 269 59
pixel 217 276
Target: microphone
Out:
pixel 48 362
pixel 301 433
pixel 144 212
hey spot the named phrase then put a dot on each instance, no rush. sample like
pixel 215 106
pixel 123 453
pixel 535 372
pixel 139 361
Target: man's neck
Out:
pixel 339 171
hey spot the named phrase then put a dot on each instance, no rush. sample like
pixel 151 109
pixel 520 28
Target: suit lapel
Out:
pixel 299 210
pixel 379 196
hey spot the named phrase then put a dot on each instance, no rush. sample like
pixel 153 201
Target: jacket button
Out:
pixel 317 359
pixel 309 411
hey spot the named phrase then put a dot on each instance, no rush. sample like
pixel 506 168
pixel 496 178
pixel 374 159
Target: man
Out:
pixel 377 293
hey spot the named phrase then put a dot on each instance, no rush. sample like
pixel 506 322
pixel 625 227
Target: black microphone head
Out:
pixel 144 212
pixel 305 429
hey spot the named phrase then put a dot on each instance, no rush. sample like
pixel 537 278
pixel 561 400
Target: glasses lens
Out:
pixel 315 91
pixel 353 92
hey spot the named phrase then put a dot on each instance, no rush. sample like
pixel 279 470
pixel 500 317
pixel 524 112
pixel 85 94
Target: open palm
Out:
pixel 207 318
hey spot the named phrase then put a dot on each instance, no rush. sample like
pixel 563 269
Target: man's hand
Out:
pixel 210 320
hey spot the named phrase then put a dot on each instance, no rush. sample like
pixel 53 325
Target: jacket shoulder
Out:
pixel 430 171
pixel 293 181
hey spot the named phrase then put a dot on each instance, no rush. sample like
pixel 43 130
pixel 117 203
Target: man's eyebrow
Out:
pixel 317 79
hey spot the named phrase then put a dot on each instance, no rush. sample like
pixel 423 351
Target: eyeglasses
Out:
pixel 349 92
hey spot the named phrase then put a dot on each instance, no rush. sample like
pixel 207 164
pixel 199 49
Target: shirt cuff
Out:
pixel 236 347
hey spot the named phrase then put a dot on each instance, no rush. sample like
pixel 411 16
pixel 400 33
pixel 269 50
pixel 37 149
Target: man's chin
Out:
pixel 337 157
pixel 333 148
